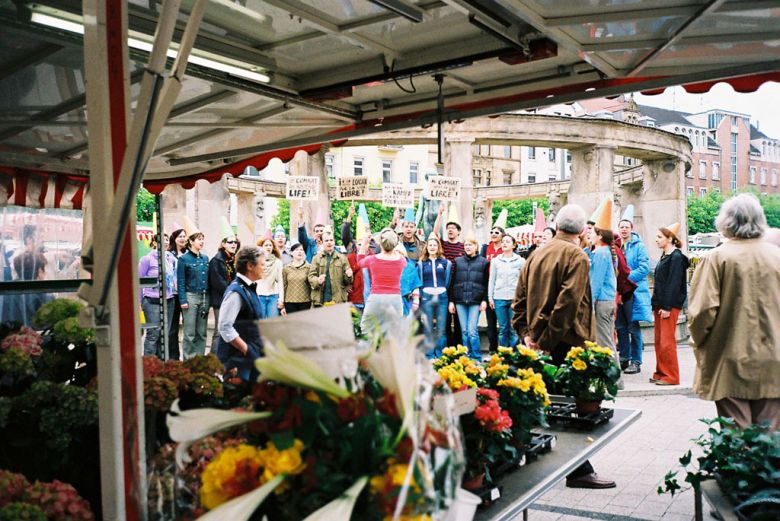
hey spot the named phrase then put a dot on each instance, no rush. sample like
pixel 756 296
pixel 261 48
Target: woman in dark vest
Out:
pixel 468 294
pixel 239 343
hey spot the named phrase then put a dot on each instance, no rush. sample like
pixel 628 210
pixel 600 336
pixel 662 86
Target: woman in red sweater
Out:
pixel 384 307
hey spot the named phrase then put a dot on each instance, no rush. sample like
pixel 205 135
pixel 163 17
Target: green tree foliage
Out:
pixel 771 204
pixel 144 205
pixel 702 212
pixel 379 216
pixel 519 211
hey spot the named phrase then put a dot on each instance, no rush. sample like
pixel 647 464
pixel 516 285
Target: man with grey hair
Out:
pixel 553 309
pixel 734 313
pixel 239 339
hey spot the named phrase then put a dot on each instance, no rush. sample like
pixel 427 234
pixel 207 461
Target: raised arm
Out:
pixel 437 224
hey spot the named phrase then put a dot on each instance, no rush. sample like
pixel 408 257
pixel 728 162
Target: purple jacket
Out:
pixel 149 266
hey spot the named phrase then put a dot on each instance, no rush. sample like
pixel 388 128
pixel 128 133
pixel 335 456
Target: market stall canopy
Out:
pixel 268 77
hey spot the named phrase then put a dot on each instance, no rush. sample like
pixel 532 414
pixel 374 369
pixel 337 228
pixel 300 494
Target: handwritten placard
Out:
pixel 442 188
pixel 351 187
pixel 397 195
pixel 303 188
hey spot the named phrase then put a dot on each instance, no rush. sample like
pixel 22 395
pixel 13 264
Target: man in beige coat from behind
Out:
pixel 734 310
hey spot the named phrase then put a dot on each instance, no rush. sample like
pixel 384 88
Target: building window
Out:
pixel 531 152
pixel 689 191
pixel 551 156
pixel 387 170
pixel 508 177
pixel 702 192
pixel 329 160
pixel 508 152
pixel 763 176
pixel 413 169
pixel 734 121
pixel 568 156
pixel 702 170
pixel 752 178
pixel 733 160
pixel 774 177
pixel 715 170
pixel 477 177
pixel 531 179
pixel 357 165
pixel 487 177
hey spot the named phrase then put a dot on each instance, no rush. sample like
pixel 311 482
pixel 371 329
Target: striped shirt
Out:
pixel 452 250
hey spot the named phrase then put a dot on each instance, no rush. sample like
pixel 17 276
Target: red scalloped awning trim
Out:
pixel 743 84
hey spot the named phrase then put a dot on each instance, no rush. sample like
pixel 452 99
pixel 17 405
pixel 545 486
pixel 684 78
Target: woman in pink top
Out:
pixel 384 307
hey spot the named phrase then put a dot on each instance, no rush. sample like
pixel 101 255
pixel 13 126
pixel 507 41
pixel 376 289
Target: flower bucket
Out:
pixel 585 407
pixel 464 507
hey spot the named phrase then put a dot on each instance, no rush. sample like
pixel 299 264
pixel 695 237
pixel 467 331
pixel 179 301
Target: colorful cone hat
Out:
pixel 604 219
pixel 675 229
pixel 362 222
pixel 268 235
pixel 321 221
pixel 539 223
pixel 501 220
pixel 189 227
pixel 279 230
pixel 409 216
pixel 597 212
pixel 453 216
pixel 434 236
pixel 225 230
pixel 628 214
pixel 174 226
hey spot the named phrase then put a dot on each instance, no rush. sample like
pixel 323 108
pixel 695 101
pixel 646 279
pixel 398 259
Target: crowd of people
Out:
pixel 581 280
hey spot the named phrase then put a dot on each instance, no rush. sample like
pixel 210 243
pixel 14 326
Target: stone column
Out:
pixel 212 202
pixel 457 163
pixel 591 176
pixel 305 165
pixel 174 207
pixel 663 202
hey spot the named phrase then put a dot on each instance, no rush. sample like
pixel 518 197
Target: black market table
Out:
pixel 717 501
pixel 530 482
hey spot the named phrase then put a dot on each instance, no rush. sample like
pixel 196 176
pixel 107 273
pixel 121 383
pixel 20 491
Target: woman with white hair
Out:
pixel 384 306
pixel 734 312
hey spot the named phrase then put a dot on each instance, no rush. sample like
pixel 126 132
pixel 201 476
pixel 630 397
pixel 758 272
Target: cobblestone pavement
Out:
pixel 640 457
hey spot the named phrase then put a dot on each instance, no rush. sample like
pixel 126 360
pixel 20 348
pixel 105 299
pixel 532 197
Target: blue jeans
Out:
pixel 468 315
pixel 153 334
pixel 506 335
pixel 629 334
pixel 435 306
pixel 268 306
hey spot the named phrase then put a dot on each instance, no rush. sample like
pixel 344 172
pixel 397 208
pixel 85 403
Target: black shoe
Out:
pixel 633 368
pixel 624 364
pixel 591 480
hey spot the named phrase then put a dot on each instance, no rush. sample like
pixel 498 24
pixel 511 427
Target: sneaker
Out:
pixel 633 368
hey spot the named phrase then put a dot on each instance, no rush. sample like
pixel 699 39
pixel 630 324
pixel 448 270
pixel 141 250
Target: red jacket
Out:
pixel 625 286
pixel 355 295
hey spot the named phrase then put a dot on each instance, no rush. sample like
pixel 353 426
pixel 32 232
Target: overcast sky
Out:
pixel 763 106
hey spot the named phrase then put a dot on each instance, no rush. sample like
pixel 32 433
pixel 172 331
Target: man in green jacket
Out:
pixel 329 275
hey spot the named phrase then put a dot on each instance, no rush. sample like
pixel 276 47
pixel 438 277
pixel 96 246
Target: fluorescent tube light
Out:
pixel 142 42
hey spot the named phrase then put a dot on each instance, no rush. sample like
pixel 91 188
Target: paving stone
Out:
pixel 627 500
pixel 652 509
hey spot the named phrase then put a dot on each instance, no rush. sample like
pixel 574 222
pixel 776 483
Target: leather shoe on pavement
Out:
pixel 591 480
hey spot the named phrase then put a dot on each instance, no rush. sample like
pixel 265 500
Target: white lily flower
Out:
pixel 341 507
pixel 242 507
pixel 283 365
pixel 186 427
pixel 394 367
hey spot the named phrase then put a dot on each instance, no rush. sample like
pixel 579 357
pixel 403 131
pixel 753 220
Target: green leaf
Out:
pixel 686 459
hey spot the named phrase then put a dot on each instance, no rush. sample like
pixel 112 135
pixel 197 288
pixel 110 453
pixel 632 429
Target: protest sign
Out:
pixel 303 188
pixel 443 188
pixel 351 187
pixel 397 195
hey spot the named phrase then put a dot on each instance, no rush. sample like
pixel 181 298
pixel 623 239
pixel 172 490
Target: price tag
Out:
pixel 522 461
pixel 553 442
pixel 495 494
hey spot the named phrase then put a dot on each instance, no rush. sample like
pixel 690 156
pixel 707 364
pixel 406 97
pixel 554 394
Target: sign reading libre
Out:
pixel 303 188
pixel 397 195
pixel 443 188
pixel 351 187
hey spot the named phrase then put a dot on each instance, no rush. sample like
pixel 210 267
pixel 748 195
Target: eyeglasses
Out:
pixel 231 242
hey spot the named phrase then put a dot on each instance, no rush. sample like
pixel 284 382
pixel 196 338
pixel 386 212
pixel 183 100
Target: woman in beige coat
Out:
pixel 734 312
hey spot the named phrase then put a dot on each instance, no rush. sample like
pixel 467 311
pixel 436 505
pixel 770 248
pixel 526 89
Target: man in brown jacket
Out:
pixel 552 307
pixel 329 274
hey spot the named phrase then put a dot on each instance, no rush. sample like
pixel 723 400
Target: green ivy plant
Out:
pixel 745 462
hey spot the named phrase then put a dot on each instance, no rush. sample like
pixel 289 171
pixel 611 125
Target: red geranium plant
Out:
pixel 488 433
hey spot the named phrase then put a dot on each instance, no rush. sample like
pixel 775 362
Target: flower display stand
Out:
pixel 566 414
pixel 719 502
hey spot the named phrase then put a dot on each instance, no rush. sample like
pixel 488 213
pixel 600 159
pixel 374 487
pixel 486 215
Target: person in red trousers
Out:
pixel 669 294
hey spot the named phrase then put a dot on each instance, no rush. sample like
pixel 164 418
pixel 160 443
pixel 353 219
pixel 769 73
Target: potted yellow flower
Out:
pixel 589 374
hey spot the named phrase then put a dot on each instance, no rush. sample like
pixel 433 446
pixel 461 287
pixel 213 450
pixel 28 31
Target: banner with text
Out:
pixel 397 195
pixel 351 187
pixel 443 188
pixel 303 188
